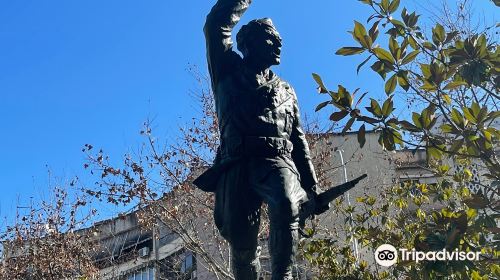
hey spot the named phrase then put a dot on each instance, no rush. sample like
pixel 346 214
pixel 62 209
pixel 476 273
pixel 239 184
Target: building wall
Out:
pixel 383 169
pixel 371 160
pixel 130 251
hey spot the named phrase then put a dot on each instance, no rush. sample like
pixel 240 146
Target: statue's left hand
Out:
pixel 313 193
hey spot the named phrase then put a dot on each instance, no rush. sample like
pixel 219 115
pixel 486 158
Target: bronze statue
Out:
pixel 263 154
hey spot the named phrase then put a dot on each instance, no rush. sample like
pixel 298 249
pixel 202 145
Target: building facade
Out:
pixel 130 251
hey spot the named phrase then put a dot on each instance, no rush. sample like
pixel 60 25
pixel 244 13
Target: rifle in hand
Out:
pixel 320 203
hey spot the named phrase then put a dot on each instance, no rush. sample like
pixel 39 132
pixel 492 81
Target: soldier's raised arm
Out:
pixel 220 22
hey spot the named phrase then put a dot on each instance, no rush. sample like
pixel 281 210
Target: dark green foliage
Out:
pixel 454 79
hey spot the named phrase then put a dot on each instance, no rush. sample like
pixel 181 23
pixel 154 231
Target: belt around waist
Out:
pixel 258 146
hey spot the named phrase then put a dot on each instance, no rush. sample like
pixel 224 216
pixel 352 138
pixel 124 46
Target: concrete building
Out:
pixel 347 160
pixel 130 251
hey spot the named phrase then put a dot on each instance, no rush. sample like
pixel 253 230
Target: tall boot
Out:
pixel 245 264
pixel 283 246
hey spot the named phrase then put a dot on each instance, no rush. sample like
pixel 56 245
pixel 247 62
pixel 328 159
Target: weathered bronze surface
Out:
pixel 263 156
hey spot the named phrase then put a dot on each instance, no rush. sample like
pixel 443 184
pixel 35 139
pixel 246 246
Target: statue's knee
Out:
pixel 245 264
pixel 244 257
pixel 284 213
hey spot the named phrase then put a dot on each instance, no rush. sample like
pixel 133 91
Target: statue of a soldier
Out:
pixel 263 154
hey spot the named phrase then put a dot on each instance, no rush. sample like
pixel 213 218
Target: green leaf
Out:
pixel 446 99
pixel 456 145
pixel 359 31
pixel 394 6
pixel 384 4
pixel 493 115
pixel 427 117
pixel 383 55
pixel 367 42
pixel 319 81
pixel 391 84
pixel 494 132
pixel 412 21
pixel 446 128
pixel 475 109
pixel 438 72
pixel 387 139
pixel 408 126
pixel 457 117
pixel 362 136
pixel 393 46
pixel 429 46
pixel 349 51
pixel 455 84
pixel 399 25
pixel 362 63
pixel 483 113
pixel 477 202
pixel 321 105
pixel 468 115
pixel 348 125
pixel 416 120
pixel 450 36
pixel 373 32
pixel 337 116
pixel 410 57
pixel 487 135
pixel 368 119
pixel 433 152
pixel 344 97
pixel 438 34
pixel 404 14
pixel 388 107
pixel 403 81
pixel 375 107
pixel 428 87
pixel 360 99
pixel 426 70
pixel 375 15
pixel 380 68
pixel 413 43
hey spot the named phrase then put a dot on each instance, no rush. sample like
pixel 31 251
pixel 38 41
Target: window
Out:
pixel 187 264
pixel 147 273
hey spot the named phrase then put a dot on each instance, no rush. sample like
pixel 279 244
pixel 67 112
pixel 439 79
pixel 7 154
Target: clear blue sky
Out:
pixel 77 72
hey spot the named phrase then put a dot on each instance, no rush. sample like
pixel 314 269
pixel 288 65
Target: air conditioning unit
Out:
pixel 144 252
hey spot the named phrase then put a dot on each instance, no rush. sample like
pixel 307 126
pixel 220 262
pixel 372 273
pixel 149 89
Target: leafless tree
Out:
pixel 47 241
pixel 158 180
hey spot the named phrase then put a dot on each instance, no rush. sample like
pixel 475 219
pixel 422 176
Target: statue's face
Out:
pixel 265 49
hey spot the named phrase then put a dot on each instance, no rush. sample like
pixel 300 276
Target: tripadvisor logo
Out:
pixel 387 255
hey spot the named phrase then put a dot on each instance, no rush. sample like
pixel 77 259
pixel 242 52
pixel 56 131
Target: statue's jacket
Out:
pixel 260 122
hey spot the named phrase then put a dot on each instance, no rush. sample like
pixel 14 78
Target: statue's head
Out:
pixel 260 42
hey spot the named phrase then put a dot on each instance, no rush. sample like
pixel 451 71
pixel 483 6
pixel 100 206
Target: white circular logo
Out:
pixel 386 255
